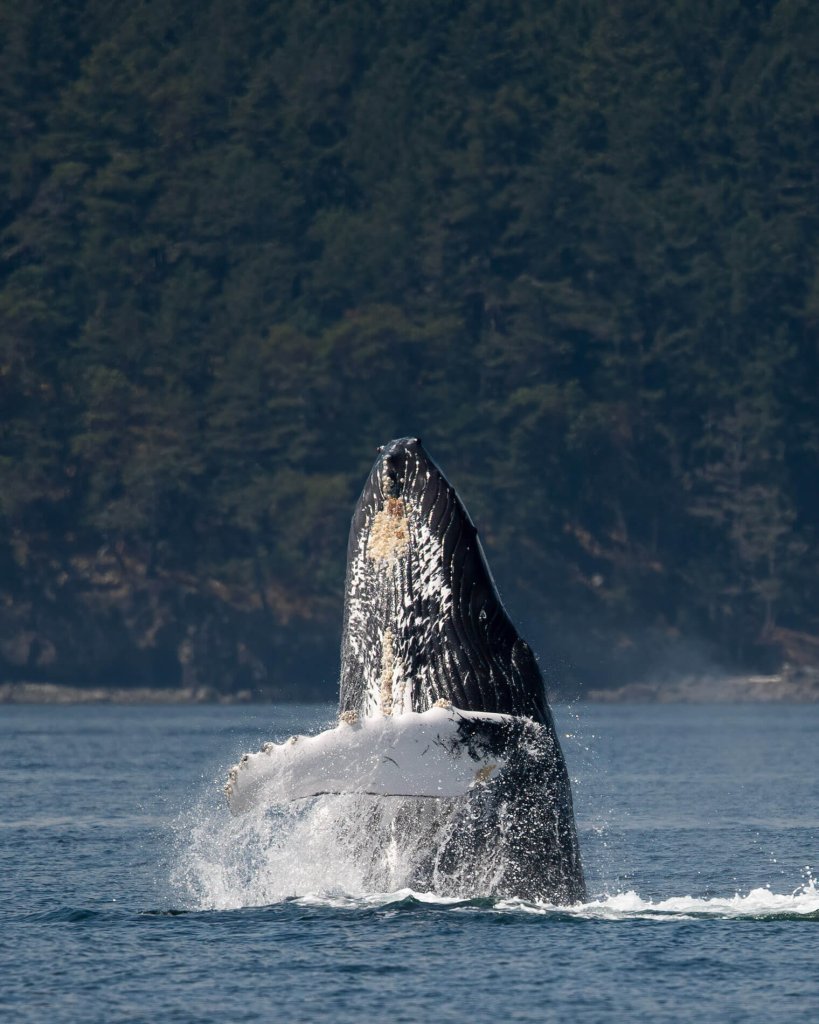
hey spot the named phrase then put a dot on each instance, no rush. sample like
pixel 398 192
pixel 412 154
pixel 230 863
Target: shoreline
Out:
pixel 801 687
pixel 58 693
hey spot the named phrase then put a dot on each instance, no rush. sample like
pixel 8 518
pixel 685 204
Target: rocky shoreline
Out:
pixel 795 687
pixel 798 687
pixel 54 693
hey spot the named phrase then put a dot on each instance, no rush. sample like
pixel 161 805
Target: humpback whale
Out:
pixel 441 702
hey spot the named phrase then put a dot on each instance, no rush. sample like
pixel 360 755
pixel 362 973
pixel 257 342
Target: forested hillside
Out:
pixel 573 245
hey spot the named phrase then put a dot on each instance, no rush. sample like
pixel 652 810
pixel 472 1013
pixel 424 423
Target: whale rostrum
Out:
pixel 442 705
pixel 422 616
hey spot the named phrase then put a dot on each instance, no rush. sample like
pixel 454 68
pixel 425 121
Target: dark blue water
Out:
pixel 128 893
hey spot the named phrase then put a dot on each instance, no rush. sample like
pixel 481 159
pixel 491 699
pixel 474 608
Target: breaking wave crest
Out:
pixel 355 853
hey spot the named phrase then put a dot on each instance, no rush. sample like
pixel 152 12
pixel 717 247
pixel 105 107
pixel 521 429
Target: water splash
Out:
pixel 350 844
pixel 355 852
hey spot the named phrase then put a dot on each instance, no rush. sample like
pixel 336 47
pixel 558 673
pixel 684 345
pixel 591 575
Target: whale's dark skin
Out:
pixel 423 623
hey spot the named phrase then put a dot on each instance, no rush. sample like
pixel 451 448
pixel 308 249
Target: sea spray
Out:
pixel 351 844
pixel 359 851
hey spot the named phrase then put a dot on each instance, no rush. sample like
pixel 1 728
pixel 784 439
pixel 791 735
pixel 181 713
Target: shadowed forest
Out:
pixel 572 245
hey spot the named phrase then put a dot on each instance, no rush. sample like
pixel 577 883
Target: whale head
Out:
pixel 423 622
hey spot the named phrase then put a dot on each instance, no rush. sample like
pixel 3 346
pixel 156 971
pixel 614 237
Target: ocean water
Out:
pixel 128 893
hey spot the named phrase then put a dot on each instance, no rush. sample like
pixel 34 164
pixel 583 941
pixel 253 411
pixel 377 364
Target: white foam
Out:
pixel 624 906
pixel 760 902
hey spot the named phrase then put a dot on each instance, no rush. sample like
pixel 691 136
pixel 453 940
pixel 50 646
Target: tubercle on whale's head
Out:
pixel 401 465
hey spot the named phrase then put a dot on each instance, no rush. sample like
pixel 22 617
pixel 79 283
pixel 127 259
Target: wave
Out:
pixel 758 904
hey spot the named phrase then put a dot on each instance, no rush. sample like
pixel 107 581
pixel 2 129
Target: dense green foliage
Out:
pixel 573 245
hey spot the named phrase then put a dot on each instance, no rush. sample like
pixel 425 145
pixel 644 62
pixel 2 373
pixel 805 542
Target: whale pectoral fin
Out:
pixel 440 753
